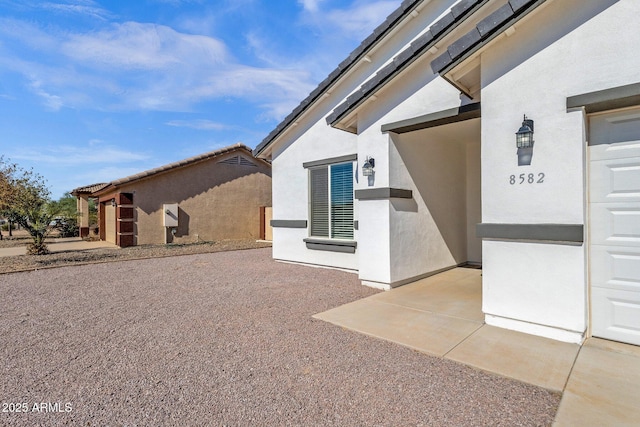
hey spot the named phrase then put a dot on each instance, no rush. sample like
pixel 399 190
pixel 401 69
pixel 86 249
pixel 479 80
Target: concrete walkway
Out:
pixel 59 245
pixel 442 316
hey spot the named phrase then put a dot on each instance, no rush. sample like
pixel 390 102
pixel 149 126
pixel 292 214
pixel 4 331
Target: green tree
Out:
pixel 66 222
pixel 25 200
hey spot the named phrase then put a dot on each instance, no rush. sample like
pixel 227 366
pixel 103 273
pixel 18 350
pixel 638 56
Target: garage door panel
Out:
pixel 616 268
pixel 615 224
pixel 616 315
pixel 615 135
pixel 615 180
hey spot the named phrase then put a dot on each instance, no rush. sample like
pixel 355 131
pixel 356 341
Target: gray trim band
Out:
pixel 289 223
pixel 542 232
pixel 341 159
pixel 343 246
pixel 607 99
pixel 444 117
pixel 383 193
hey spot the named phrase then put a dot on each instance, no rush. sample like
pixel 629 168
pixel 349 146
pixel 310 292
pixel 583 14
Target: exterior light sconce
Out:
pixel 524 142
pixel 113 202
pixel 367 168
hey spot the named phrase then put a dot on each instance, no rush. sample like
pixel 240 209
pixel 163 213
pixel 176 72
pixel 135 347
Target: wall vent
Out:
pixel 230 160
pixel 246 162
pixel 238 160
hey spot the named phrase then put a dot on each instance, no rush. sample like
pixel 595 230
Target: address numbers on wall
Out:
pixel 527 178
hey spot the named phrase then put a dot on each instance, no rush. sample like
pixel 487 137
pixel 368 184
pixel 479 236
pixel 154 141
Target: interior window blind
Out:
pixel 319 201
pixel 342 201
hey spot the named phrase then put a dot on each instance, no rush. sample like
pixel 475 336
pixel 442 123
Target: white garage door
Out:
pixel 614 191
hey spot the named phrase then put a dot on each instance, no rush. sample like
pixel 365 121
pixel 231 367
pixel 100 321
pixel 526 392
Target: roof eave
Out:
pixel 440 29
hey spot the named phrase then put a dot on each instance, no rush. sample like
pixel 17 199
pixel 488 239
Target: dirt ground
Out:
pixel 59 259
pixel 225 338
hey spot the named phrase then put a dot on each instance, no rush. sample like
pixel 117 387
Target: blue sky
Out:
pixel 92 91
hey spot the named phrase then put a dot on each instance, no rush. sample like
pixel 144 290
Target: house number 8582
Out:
pixel 530 178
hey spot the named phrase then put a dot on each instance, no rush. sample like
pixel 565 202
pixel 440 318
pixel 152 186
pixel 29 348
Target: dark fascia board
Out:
pixel 572 233
pixel 331 161
pixel 487 29
pixel 438 30
pixel 289 223
pixel 383 193
pixel 608 99
pixel 343 246
pixel 396 17
pixel 444 117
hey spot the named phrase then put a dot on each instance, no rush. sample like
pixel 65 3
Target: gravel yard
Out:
pixel 76 257
pixel 224 338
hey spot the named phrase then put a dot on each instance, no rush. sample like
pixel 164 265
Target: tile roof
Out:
pixel 436 32
pixel 172 166
pixel 483 32
pixel 358 53
pixel 88 189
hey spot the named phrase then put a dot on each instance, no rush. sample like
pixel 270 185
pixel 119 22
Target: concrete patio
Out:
pixel 442 316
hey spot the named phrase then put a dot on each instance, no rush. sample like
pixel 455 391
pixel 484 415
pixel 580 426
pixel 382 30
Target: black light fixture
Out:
pixel 113 202
pixel 367 168
pixel 524 142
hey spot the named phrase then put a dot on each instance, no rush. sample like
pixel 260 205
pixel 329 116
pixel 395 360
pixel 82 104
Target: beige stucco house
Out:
pixel 217 195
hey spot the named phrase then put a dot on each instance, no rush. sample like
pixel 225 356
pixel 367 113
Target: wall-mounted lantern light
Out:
pixel 113 202
pixel 524 142
pixel 367 168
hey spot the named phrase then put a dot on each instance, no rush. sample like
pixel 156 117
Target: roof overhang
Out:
pixel 344 116
pixel 460 63
pixel 444 117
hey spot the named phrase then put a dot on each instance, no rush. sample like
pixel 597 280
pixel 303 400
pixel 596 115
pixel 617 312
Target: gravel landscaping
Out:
pixel 224 338
pixel 10 264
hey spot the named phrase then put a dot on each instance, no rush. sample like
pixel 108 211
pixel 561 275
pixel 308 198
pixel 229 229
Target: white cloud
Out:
pixel 133 66
pixel 79 7
pixel 71 155
pixel 51 102
pixel 361 19
pixel 133 45
pixel 197 124
pixel 310 5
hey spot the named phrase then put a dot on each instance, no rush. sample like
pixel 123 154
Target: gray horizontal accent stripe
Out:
pixel 345 246
pixel 452 115
pixel 289 223
pixel 544 232
pixel 607 99
pixel 383 193
pixel 341 159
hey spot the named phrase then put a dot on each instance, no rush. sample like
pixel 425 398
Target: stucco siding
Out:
pixel 531 72
pixel 216 201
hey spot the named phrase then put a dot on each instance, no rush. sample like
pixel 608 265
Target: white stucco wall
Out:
pixel 291 195
pixel 586 46
pixel 412 244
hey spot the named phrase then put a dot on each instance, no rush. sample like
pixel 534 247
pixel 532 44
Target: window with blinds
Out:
pixel 331 189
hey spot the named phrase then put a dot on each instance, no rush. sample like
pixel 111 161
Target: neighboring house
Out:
pixel 435 97
pixel 213 196
pixel 83 194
